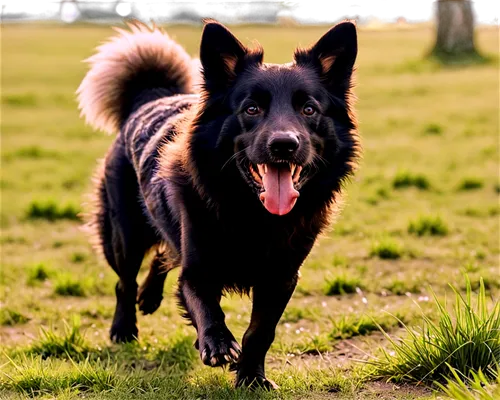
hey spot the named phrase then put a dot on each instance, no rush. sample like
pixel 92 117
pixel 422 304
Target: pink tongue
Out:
pixel 279 195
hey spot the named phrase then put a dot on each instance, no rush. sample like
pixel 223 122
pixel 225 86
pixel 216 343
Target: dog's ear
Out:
pixel 333 56
pixel 223 56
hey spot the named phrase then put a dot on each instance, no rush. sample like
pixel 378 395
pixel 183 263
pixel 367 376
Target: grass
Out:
pixel 466 339
pixel 67 285
pixel 428 226
pixel 421 142
pixel 342 284
pixel 78 257
pixel 405 179
pixel 38 273
pixel 70 344
pixel 433 129
pixel 387 249
pixel 10 317
pixel 50 210
pixel 470 184
pixel 401 287
pixel 348 327
pixel 295 314
pixel 44 378
pixel 478 386
pixel 32 152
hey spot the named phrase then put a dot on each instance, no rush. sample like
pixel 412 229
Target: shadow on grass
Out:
pixel 447 59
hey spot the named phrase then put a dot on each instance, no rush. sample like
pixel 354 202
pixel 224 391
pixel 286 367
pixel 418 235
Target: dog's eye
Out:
pixel 308 110
pixel 252 110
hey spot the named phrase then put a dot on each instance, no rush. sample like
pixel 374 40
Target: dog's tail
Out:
pixel 129 70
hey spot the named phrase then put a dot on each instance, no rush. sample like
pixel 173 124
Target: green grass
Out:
pixel 348 327
pixel 421 142
pixel 387 249
pixel 49 378
pixel 478 386
pixel 428 226
pixel 342 284
pixel 32 152
pixel 405 179
pixel 401 287
pixel 295 314
pixel 433 129
pixel 466 339
pixel 68 344
pixel 50 210
pixel 67 285
pixel 10 317
pixel 470 184
pixel 38 273
pixel 78 257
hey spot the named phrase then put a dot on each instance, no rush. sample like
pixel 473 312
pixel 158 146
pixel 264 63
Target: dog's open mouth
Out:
pixel 277 182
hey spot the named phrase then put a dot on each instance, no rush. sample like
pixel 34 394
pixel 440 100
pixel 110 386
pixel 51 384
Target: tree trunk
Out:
pixel 455 28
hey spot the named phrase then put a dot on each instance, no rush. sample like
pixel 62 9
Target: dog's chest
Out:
pixel 250 255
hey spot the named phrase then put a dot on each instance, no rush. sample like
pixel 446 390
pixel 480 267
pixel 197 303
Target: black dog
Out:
pixel 233 184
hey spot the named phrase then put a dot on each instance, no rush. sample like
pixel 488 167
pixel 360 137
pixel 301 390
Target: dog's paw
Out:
pixel 123 331
pixel 149 298
pixel 218 347
pixel 255 381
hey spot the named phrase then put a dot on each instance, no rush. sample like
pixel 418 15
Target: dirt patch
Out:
pixel 389 391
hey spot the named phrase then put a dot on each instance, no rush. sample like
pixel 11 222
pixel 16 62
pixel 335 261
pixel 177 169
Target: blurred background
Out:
pixel 422 211
pixel 252 10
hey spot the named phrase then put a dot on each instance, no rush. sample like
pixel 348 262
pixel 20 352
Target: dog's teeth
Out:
pixel 296 175
pixel 292 168
pixel 262 169
pixel 256 176
pixel 265 168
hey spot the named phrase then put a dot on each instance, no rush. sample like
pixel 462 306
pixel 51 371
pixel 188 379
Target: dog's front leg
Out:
pixel 200 297
pixel 269 302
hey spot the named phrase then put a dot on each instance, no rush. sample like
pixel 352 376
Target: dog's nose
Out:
pixel 283 144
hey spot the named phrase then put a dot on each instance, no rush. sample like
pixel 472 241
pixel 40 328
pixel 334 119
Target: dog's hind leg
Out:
pixel 125 236
pixel 151 290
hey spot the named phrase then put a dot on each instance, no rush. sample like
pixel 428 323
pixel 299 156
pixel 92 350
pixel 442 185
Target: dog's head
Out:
pixel 285 123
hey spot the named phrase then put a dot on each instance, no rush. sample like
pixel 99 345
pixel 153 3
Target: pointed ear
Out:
pixel 222 56
pixel 333 56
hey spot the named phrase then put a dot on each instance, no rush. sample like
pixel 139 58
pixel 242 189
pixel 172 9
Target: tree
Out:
pixel 455 31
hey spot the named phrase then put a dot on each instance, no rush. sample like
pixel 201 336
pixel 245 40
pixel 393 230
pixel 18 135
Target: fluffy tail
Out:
pixel 129 70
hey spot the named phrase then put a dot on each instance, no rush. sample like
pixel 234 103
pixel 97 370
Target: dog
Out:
pixel 231 179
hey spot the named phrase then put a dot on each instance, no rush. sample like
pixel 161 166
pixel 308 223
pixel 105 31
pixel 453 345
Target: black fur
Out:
pixel 178 178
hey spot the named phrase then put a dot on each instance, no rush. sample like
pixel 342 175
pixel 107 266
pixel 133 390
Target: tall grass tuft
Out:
pixel 466 339
pixel 71 344
pixel 478 386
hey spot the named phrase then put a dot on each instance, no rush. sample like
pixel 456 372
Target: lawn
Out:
pixel 422 212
